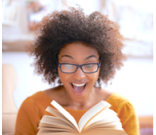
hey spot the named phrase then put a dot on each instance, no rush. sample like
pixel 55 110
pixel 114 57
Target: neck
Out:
pixel 83 102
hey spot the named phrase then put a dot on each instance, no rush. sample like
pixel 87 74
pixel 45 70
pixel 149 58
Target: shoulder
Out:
pixel 126 112
pixel 30 112
pixel 122 106
pixel 116 98
pixel 119 102
pixel 36 100
pixel 124 109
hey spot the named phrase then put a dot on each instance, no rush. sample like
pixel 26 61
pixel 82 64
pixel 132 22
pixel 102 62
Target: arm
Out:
pixel 129 119
pixel 27 119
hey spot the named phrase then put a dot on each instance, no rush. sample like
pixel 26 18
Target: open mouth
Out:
pixel 78 88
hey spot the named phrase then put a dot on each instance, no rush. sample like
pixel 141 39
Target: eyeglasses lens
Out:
pixel 89 68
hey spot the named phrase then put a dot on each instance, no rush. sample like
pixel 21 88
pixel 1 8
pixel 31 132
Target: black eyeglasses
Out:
pixel 72 68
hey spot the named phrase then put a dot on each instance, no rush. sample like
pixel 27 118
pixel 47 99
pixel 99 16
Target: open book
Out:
pixel 99 120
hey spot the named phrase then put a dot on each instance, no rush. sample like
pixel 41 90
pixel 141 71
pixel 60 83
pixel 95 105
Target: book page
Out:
pixel 55 112
pixel 104 118
pixel 44 132
pixel 91 113
pixel 54 130
pixel 60 115
pixel 106 115
pixel 100 124
pixel 54 122
pixel 65 113
pixel 106 131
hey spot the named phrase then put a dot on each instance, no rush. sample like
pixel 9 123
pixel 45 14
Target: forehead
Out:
pixel 78 49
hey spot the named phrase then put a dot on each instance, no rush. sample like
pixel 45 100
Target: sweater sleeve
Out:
pixel 126 112
pixel 28 118
pixel 129 119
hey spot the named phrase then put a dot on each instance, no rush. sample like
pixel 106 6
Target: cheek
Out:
pixel 63 77
pixel 93 77
pixel 96 75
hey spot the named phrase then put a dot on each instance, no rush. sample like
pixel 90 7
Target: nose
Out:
pixel 79 74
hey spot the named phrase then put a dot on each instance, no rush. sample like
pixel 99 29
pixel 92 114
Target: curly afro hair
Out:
pixel 64 27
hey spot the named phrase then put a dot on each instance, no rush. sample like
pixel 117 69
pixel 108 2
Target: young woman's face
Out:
pixel 78 84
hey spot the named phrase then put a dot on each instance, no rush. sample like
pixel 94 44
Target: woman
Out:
pixel 80 51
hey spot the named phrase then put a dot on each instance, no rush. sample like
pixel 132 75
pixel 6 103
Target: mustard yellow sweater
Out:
pixel 33 108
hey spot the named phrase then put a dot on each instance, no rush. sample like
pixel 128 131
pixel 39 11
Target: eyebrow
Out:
pixel 73 58
pixel 67 56
pixel 90 57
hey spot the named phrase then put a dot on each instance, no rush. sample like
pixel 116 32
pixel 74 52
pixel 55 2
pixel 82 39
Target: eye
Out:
pixel 68 66
pixel 88 66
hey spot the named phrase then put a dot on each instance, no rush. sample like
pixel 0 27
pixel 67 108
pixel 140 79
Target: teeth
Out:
pixel 78 85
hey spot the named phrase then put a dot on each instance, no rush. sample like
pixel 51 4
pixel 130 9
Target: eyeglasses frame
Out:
pixel 77 66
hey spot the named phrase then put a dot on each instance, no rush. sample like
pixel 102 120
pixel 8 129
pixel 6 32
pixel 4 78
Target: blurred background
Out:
pixel 135 80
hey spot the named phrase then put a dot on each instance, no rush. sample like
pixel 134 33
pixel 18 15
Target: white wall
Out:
pixel 28 82
pixel 134 81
